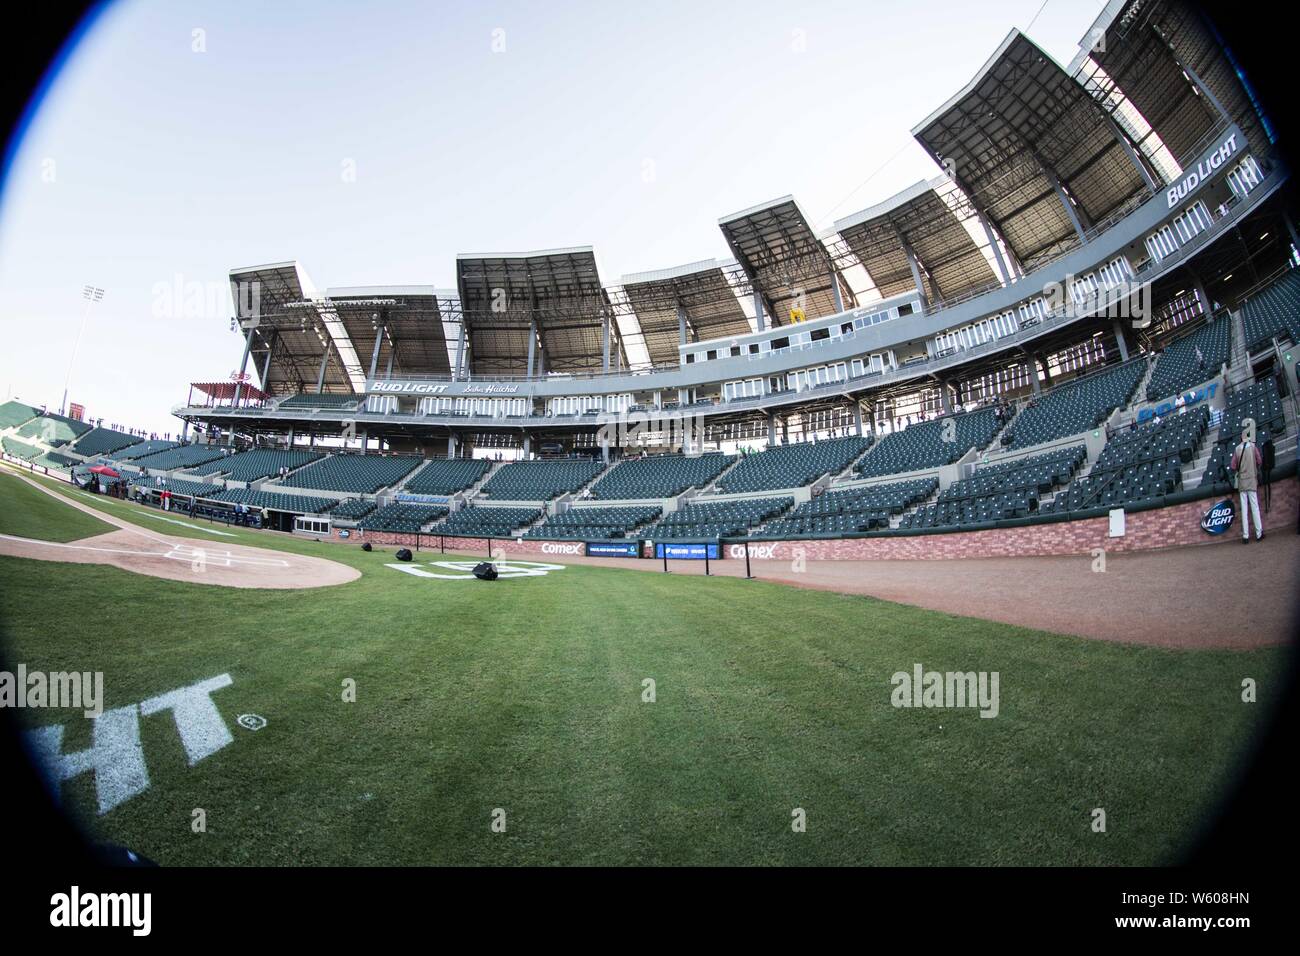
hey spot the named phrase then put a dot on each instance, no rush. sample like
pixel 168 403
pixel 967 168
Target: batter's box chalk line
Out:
pixel 223 559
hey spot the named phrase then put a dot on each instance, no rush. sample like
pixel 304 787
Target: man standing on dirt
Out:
pixel 1247 462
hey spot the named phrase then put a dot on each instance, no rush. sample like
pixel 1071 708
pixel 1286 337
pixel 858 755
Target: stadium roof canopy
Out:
pixel 923 219
pixel 1033 151
pixel 782 256
pixel 1146 48
pixel 701 289
pixel 412 319
pixel 279 306
pixel 501 294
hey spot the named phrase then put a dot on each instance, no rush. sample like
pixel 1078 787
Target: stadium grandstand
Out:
pixel 1009 339
pixel 720 557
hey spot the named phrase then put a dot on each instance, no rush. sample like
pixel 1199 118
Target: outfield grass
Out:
pixel 28 513
pixel 526 695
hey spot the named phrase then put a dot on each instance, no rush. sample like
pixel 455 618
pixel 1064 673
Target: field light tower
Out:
pixel 91 294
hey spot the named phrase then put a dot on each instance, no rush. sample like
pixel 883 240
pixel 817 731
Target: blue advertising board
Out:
pixel 1166 408
pixel 614 549
pixel 686 552
pixel 422 499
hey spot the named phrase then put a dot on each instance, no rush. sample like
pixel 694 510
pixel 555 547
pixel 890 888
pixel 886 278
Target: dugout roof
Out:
pixel 500 293
pixel 703 289
pixel 782 255
pixel 1018 127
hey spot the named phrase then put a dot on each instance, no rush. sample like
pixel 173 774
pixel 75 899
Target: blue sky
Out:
pixel 628 127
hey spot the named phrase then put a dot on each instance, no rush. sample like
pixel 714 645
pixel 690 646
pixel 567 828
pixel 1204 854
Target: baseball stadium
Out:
pixel 962 531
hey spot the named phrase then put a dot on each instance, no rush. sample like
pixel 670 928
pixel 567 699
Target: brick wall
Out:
pixel 1144 530
pixel 1174 526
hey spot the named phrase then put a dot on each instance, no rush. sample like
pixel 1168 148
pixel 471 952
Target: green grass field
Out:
pixel 27 513
pixel 526 695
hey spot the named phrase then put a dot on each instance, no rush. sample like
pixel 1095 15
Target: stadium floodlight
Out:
pixel 91 294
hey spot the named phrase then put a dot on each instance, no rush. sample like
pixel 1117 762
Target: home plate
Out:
pixel 221 559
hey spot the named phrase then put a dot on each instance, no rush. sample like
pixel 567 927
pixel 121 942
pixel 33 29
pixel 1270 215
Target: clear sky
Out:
pixel 374 141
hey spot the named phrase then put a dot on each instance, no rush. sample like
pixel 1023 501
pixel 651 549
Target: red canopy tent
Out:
pixel 219 392
pixel 105 471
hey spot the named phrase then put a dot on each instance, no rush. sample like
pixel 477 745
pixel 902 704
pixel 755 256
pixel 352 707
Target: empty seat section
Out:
pixel 1259 401
pixel 254 465
pixel 659 476
pixel 594 523
pixel 485 522
pixel 353 509
pixel 21 449
pixel 1272 312
pixel 179 486
pixel 930 444
pixel 1177 368
pixel 142 448
pixel 1138 464
pixel 1009 489
pixel 717 519
pixel 361 474
pixel 102 441
pixel 446 476
pixel 401 516
pixel 53 429
pixel 183 456
pixel 540 480
pixel 851 509
pixel 1075 406
pixel 308 400
pixel 15 413
pixel 792 466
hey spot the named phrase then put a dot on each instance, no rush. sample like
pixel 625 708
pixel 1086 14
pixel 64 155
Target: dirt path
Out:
pixel 194 560
pixel 1225 595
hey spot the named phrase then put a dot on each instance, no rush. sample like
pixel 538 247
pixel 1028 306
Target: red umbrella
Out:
pixel 104 470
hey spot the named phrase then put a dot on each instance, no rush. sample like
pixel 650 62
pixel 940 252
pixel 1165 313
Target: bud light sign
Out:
pixel 1219 518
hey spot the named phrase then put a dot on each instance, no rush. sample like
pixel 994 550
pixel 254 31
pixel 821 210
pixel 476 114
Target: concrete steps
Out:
pixel 848 472
pixel 933 498
pixel 996 443
pixel 712 486
pixel 1238 360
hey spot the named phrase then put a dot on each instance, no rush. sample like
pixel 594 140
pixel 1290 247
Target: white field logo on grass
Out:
pixel 115 757
pixel 82 690
pixel 950 690
pixel 464 570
